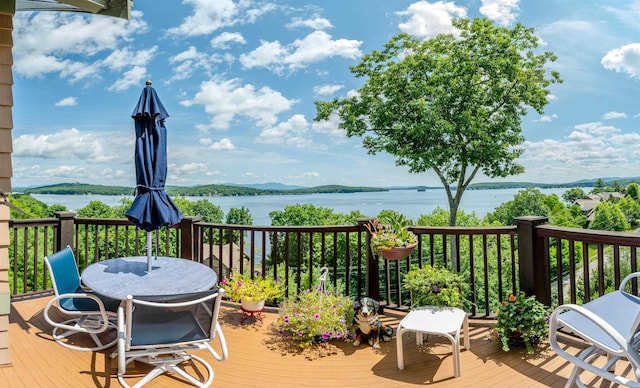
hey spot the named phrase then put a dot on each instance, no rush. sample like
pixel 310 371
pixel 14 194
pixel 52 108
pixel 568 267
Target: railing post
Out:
pixel 66 229
pixel 372 269
pixel 533 267
pixel 187 242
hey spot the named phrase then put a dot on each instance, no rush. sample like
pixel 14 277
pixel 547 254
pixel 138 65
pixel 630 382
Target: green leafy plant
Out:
pixel 434 286
pixel 521 320
pixel 243 287
pixel 390 231
pixel 316 315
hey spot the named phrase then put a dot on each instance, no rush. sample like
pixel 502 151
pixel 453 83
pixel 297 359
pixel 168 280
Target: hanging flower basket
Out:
pixel 397 253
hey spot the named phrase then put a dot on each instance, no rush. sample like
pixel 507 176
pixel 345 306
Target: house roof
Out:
pixel 211 257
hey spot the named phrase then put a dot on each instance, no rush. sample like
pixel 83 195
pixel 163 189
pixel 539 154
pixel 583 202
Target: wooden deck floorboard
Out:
pixel 259 358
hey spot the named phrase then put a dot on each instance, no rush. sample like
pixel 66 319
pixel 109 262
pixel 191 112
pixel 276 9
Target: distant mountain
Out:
pixel 266 186
pixel 274 188
pixel 195 191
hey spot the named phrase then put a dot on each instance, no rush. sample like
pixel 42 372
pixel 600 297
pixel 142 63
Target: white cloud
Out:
pixel 209 16
pixel 503 12
pixel 221 40
pixel 331 129
pixel 314 48
pixel 188 62
pixel 316 23
pixel 311 174
pixel 625 59
pixel 69 44
pixel 427 20
pixel 90 147
pixel 613 115
pixel 596 128
pixel 223 144
pixel 291 133
pixel 548 118
pixel 592 149
pixel 223 100
pixel 189 168
pixel 325 90
pixel 67 101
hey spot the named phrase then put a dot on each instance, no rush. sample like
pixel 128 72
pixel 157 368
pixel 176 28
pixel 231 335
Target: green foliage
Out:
pixel 242 287
pixel 632 191
pixel 31 206
pixel 447 104
pixel 432 286
pixel 571 195
pixel 440 217
pixel 316 315
pixel 524 315
pixel 528 202
pixel 96 209
pixel 239 216
pixel 630 208
pixel 201 208
pixel 609 216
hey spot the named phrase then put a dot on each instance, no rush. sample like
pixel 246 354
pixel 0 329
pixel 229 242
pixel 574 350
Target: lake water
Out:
pixel 411 203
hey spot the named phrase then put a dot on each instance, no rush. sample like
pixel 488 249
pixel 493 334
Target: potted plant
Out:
pixel 316 315
pixel 390 236
pixel 521 320
pixel 435 286
pixel 251 292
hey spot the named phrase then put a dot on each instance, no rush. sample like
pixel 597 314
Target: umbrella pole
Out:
pixel 148 251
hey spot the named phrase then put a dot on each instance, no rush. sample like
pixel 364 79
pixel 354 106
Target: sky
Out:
pixel 238 79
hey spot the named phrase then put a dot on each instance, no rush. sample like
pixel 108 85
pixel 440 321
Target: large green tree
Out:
pixel 449 104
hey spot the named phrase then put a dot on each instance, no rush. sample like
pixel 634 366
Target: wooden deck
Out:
pixel 259 358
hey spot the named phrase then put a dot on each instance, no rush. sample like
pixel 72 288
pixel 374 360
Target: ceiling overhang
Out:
pixel 116 8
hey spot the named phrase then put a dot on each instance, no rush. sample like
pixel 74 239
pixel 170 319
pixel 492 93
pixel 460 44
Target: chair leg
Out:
pixel 59 337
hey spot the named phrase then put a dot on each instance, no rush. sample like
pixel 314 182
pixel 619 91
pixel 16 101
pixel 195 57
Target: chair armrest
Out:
pixel 627 278
pixel 603 325
pixel 104 314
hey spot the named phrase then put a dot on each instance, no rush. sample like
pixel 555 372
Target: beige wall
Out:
pixel 6 124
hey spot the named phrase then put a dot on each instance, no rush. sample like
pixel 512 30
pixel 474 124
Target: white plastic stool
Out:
pixel 443 321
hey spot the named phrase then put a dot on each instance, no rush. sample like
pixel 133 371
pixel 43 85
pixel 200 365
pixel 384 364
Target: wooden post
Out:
pixel 372 267
pixel 188 243
pixel 66 226
pixel 534 268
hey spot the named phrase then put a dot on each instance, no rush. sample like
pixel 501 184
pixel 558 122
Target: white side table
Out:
pixel 443 321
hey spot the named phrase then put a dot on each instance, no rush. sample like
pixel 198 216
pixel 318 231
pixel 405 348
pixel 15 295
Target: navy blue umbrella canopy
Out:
pixel 152 208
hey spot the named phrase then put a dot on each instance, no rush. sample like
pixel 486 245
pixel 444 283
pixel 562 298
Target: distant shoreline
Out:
pixel 281 189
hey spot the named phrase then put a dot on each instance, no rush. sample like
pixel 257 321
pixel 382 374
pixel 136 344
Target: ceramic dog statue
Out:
pixel 367 325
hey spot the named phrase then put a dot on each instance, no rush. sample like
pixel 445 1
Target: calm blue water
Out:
pixel 411 203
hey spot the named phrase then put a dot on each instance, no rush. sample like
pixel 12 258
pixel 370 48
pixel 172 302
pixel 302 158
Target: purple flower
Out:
pixel 280 332
pixel 338 335
pixel 316 316
pixel 300 334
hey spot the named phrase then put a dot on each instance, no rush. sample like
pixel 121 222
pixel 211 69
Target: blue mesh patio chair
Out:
pixel 161 330
pixel 90 313
pixel 608 327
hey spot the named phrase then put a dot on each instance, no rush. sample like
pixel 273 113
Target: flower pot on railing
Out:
pixel 397 253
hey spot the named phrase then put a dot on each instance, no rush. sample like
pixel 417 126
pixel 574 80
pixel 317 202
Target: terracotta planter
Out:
pixel 397 253
pixel 252 305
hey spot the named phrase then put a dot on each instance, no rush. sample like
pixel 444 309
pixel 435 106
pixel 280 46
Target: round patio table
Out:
pixel 117 278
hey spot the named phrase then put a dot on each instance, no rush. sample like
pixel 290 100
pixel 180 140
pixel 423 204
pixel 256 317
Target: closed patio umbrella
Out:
pixel 152 208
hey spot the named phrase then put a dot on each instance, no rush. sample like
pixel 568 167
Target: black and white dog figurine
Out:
pixel 367 325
